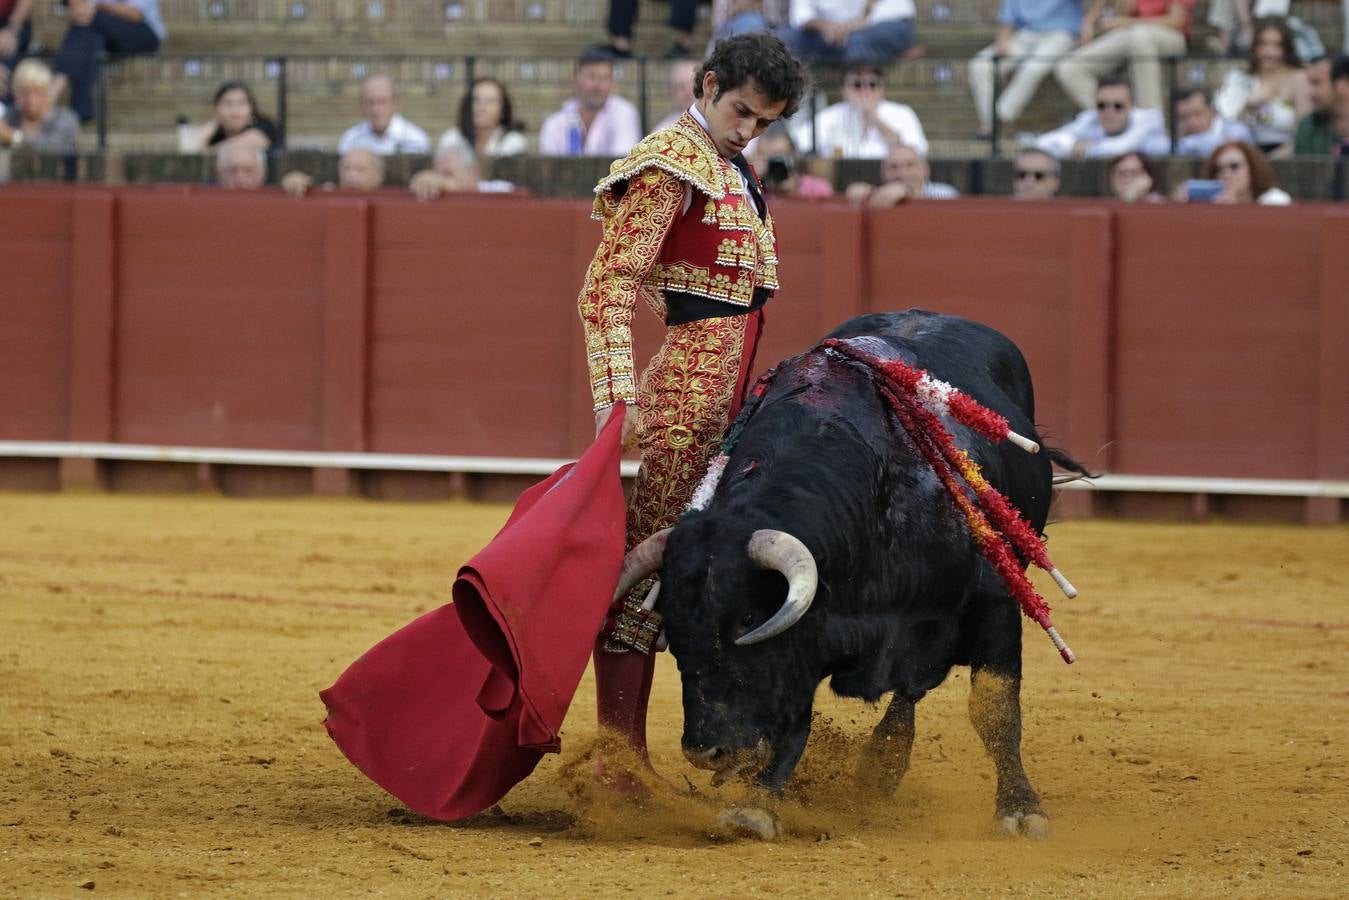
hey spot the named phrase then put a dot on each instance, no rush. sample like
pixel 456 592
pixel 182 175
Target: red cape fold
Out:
pixel 451 711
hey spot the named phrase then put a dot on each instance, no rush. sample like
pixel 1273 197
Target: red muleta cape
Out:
pixel 454 709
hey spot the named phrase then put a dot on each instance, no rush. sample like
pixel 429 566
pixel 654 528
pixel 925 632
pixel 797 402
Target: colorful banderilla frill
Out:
pixel 918 401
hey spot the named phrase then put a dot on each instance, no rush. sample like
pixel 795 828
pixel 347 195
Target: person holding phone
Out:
pixel 1242 175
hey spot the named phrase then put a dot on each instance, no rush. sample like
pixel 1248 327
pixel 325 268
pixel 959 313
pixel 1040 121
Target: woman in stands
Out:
pixel 96 26
pixel 1278 91
pixel 1133 179
pixel 236 118
pixel 1245 176
pixel 485 122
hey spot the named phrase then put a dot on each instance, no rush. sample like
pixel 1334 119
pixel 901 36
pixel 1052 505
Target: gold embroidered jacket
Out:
pixel 717 248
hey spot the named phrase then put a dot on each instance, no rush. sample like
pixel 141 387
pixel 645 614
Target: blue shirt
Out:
pixel 1042 15
pixel 150 10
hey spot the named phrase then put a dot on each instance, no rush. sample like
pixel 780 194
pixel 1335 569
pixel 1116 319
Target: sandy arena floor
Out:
pixel 161 734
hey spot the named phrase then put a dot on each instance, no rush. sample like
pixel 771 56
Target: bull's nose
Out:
pixel 703 759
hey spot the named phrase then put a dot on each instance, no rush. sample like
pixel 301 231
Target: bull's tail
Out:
pixel 1061 459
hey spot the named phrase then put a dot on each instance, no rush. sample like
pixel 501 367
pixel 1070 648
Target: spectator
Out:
pixel 1032 35
pixel 732 17
pixel 1115 127
pixel 235 118
pixel 32 121
pixel 486 122
pixel 773 155
pixel 1232 21
pixel 240 166
pixel 1132 179
pixel 117 26
pixel 454 170
pixel 864 125
pixel 1274 93
pixel 1245 176
pixel 622 15
pixel 384 132
pixel 595 121
pixel 16 32
pixel 1199 126
pixel 683 72
pixel 359 169
pixel 1035 176
pixel 1156 29
pixel 905 175
pixel 1339 89
pixel 850 31
pixel 1315 135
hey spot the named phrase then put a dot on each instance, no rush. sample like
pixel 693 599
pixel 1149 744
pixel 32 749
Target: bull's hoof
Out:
pixel 1024 824
pixel 752 820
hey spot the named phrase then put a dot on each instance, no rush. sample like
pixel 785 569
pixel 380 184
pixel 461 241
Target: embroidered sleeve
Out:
pixel 635 226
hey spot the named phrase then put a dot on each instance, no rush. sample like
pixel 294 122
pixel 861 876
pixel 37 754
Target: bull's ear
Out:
pixel 781 552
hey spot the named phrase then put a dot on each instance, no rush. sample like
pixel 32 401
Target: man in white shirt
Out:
pixel 594 121
pixel 1113 128
pixel 384 132
pixel 850 31
pixel 864 125
pixel 1200 127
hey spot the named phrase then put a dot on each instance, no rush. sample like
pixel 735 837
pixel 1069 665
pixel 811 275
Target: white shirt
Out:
pixel 400 137
pixel 1220 132
pixel 501 143
pixel 1145 131
pixel 616 129
pixel 802 11
pixel 1274 197
pixel 843 132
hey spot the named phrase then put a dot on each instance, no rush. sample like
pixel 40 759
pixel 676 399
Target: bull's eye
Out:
pixel 747 620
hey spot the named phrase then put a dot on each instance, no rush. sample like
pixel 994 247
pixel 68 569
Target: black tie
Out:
pixel 751 182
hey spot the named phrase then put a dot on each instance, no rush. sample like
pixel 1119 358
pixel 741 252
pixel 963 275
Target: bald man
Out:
pixel 384 131
pixel 240 166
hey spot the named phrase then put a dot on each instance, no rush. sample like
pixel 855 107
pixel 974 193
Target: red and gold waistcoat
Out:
pixel 718 248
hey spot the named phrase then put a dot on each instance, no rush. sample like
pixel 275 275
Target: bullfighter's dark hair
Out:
pixel 506 121
pixel 760 58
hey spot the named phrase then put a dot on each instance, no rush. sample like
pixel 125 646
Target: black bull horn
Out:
pixel 771 549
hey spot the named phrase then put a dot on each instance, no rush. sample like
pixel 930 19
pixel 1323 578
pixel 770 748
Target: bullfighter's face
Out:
pixel 738 116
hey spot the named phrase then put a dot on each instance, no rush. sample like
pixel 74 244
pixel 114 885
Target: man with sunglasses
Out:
pixel 1113 128
pixel 1035 176
pixel 864 125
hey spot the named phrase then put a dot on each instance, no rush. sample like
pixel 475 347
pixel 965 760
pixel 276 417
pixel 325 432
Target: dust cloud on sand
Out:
pixel 162 732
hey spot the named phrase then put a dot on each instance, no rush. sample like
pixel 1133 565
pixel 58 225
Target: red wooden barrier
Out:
pixel 1164 340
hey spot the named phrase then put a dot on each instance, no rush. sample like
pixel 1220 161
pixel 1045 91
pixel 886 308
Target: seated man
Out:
pixel 1035 176
pixel 1200 127
pixel 1315 135
pixel 1115 127
pixel 849 31
pixel 454 170
pixel 16 32
pixel 1032 35
pixel 864 125
pixel 32 121
pixel 594 121
pixel 358 170
pixel 773 155
pixel 384 130
pixel 98 26
pixel 240 166
pixel 904 176
pixel 1149 31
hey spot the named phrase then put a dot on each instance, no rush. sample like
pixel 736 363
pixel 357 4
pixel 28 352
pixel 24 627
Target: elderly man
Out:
pixel 682 74
pixel 1113 128
pixel 357 170
pixel 454 170
pixel 33 122
pixel 905 175
pixel 594 121
pixel 850 31
pixel 384 131
pixel 1200 127
pixel 240 166
pixel 1035 176
pixel 864 125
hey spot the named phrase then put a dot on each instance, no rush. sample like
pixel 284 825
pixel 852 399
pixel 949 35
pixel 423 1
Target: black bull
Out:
pixel 903 594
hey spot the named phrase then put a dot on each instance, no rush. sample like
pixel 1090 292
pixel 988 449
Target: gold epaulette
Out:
pixel 684 150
